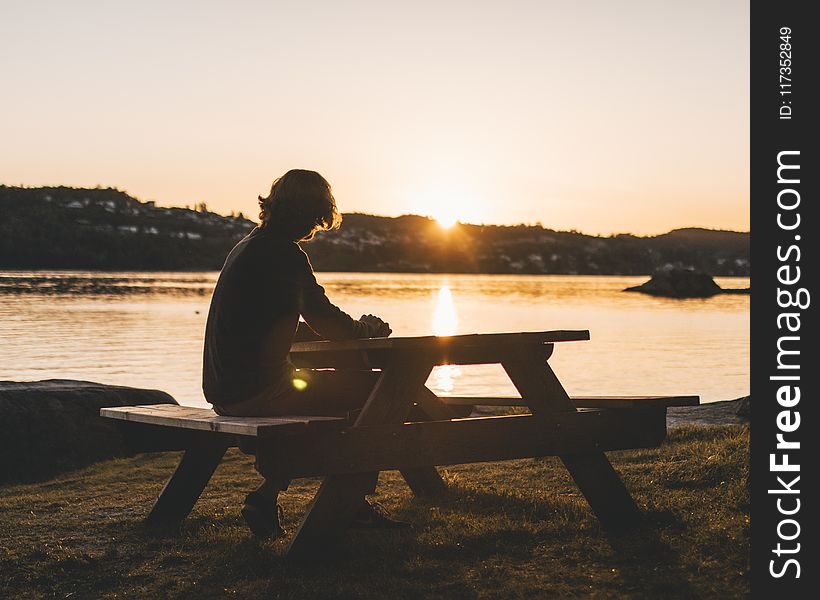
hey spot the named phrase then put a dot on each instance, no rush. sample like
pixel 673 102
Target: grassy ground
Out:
pixel 507 530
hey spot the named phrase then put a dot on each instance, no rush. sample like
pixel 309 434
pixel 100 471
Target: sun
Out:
pixel 447 204
pixel 446 219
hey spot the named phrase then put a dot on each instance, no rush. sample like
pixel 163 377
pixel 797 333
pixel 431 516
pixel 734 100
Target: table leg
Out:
pixel 426 481
pixel 603 488
pixel 184 487
pixel 330 512
pixel 593 473
pixel 339 496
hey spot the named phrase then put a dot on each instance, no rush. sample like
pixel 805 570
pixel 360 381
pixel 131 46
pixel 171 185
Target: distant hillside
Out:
pixel 74 228
pixel 108 229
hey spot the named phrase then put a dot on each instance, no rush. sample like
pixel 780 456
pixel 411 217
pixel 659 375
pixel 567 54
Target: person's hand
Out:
pixel 378 327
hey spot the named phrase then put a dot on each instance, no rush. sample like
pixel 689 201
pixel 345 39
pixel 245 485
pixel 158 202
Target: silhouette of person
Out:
pixel 265 285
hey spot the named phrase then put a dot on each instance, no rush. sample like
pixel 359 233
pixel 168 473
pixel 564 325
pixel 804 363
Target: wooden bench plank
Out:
pixel 459 441
pixel 383 358
pixel 581 401
pixel 205 419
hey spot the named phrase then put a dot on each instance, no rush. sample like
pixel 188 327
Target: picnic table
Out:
pixel 349 456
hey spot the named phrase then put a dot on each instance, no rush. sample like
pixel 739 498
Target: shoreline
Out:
pixel 721 412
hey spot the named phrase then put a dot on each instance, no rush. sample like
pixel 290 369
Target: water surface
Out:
pixel 145 329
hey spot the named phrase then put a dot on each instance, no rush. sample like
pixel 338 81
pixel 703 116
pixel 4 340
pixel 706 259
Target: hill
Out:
pixel 105 228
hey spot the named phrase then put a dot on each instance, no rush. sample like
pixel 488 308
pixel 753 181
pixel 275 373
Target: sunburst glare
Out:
pixel 445 322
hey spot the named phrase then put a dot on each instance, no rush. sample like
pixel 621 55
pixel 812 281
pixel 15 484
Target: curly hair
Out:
pixel 300 203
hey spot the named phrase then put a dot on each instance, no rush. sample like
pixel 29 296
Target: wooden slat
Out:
pixel 380 358
pixel 204 419
pixel 462 441
pixel 432 343
pixel 633 401
pixel 581 401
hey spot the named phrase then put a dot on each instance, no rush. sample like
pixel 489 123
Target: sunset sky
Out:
pixel 599 116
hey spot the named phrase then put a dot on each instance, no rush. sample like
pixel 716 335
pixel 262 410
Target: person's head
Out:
pixel 300 203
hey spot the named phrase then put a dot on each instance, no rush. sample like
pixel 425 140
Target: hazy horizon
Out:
pixel 600 117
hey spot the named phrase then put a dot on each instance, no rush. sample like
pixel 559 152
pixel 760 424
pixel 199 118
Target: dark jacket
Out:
pixel 265 284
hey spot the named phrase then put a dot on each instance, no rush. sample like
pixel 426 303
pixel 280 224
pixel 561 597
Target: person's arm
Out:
pixel 326 319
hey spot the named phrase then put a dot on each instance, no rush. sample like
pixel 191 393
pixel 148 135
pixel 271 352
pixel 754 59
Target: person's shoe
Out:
pixel 372 515
pixel 262 517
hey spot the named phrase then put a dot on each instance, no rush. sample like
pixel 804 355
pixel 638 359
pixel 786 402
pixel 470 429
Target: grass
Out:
pixel 515 529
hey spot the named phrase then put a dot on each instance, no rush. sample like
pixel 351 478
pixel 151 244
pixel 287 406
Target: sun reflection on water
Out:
pixel 445 322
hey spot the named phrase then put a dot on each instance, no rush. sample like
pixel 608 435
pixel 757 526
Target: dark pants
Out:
pixel 312 392
pixel 324 393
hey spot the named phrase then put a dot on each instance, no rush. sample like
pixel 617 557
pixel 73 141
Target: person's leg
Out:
pixel 261 509
pixel 257 406
pixel 329 392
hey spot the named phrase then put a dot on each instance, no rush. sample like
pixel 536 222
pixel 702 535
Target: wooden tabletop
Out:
pixel 451 341
pixel 477 348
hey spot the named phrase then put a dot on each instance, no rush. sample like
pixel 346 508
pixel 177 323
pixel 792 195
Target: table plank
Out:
pixel 628 402
pixel 432 342
pixel 205 419
pixel 463 441
pixel 378 353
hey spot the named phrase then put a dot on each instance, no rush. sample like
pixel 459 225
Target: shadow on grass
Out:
pixel 645 562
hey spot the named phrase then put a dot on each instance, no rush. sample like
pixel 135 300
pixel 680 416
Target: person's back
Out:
pixel 252 320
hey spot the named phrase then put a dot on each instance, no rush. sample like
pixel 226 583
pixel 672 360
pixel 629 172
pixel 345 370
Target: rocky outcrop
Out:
pixel 682 283
pixel 727 412
pixel 744 407
pixel 47 427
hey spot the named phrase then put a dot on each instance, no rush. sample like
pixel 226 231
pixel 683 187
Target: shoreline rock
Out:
pixel 724 412
pixel 52 426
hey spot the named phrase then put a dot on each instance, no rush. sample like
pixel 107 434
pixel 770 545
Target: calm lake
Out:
pixel 145 329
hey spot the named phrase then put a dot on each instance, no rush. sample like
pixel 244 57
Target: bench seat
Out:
pixel 205 419
pixel 614 402
pixel 306 446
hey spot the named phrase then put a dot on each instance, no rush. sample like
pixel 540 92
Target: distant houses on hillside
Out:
pixel 61 227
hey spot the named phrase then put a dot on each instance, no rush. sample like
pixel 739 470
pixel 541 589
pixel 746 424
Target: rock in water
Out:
pixel 679 283
pixel 47 427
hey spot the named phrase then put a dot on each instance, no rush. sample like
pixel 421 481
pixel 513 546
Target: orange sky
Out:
pixel 598 116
